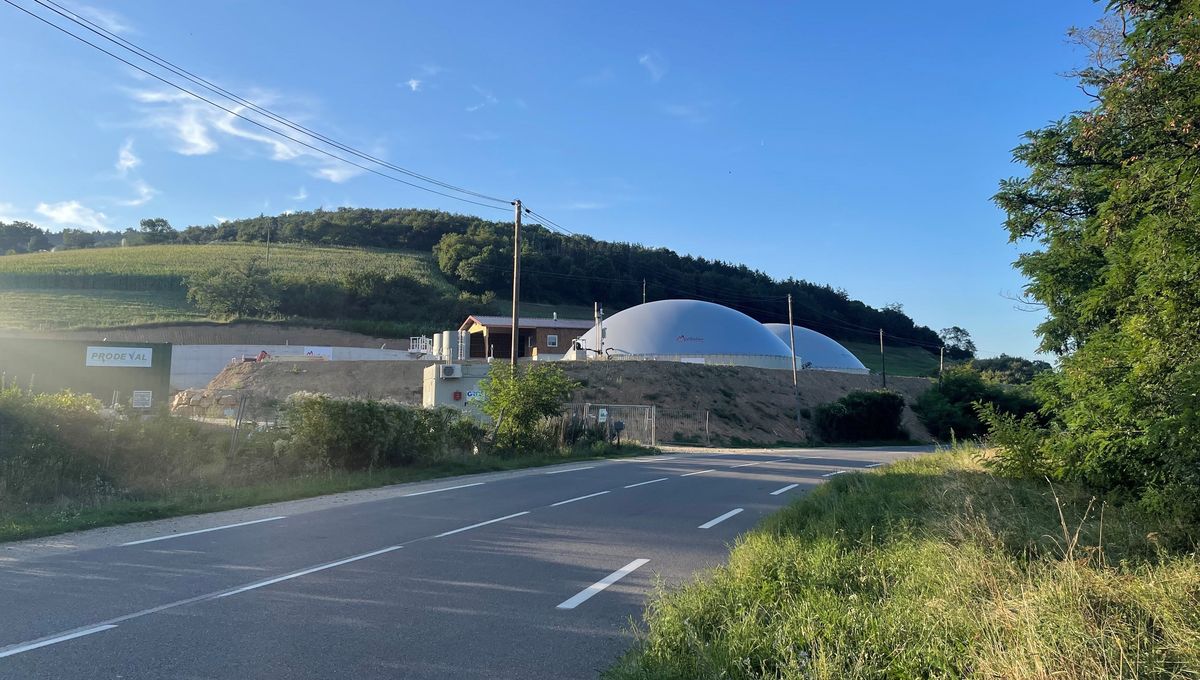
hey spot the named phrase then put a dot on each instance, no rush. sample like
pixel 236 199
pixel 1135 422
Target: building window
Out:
pixel 552 341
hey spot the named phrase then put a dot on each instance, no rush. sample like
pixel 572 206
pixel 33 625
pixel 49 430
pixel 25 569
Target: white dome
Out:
pixel 818 351
pixel 683 330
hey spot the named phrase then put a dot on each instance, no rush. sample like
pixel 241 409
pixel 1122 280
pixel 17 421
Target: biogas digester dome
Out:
pixel 689 330
pixel 818 351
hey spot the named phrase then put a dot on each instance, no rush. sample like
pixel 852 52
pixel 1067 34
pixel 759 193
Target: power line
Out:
pixel 217 89
pixel 231 112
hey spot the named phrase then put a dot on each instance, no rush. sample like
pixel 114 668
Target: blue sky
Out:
pixel 857 148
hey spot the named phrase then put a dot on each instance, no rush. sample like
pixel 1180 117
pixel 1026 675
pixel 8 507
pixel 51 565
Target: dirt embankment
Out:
pixel 750 405
pixel 746 405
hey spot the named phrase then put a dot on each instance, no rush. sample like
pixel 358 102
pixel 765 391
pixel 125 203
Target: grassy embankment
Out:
pixel 109 287
pixel 18 524
pixel 913 361
pixel 933 568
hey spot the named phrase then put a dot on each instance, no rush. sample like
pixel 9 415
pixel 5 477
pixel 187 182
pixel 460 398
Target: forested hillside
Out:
pixel 476 256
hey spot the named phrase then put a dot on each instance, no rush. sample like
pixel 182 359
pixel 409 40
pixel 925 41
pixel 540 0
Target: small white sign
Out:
pixel 602 415
pixel 325 353
pixel 142 399
pixel 129 357
pixel 474 394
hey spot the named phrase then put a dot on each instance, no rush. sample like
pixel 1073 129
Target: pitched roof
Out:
pixel 527 322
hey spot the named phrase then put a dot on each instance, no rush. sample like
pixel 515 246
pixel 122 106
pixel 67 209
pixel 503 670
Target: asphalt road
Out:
pixel 532 574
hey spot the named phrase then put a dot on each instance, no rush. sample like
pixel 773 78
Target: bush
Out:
pixel 948 409
pixel 518 401
pixel 860 416
pixel 359 434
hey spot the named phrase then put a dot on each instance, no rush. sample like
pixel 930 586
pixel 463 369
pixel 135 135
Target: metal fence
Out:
pixel 683 426
pixel 635 423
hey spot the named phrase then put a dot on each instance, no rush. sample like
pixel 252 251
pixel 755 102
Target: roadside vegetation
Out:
pixel 935 567
pixel 68 463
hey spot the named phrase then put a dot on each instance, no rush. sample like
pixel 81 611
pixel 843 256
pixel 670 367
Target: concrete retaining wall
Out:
pixel 193 366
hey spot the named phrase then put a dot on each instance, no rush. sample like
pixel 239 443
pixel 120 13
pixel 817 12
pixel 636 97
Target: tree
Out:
pixel 1109 202
pixel 958 343
pixel 1008 370
pixel 157 230
pixel 517 400
pixel 77 238
pixel 37 243
pixel 236 290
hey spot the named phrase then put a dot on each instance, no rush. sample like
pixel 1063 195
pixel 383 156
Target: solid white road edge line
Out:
pixel 578 498
pixel 480 524
pixel 660 479
pixel 559 472
pixel 785 489
pixel 874 465
pixel 830 474
pixel 587 593
pixel 717 520
pixel 54 640
pixel 201 531
pixel 698 473
pixel 757 462
pixel 448 488
pixel 310 570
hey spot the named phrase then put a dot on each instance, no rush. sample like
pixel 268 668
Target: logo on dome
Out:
pixel 688 338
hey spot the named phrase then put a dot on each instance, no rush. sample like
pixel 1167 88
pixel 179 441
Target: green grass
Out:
pixel 63 309
pixel 150 267
pixel 112 287
pixel 46 521
pixel 932 568
pixel 911 361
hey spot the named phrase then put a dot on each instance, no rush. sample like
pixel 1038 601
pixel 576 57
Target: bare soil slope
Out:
pixel 745 405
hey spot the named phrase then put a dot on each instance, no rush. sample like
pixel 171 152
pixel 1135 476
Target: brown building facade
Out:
pixel 491 336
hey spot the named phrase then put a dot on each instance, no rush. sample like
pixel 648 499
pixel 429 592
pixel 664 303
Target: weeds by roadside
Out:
pixel 933 567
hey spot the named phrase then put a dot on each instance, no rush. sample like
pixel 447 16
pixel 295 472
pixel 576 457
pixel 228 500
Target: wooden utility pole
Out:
pixel 792 336
pixel 941 360
pixel 883 358
pixel 516 291
pixel 792 339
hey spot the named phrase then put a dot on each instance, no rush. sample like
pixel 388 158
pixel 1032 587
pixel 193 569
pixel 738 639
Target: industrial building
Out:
pixel 818 352
pixel 691 331
pixel 491 336
pixel 694 331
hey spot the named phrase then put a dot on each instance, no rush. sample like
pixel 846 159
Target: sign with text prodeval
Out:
pixel 124 357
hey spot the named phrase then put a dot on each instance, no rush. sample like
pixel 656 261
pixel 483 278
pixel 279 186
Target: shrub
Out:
pixel 948 409
pixel 519 400
pixel 358 434
pixel 860 416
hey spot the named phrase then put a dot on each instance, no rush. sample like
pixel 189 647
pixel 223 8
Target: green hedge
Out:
pixel 359 434
pixel 861 416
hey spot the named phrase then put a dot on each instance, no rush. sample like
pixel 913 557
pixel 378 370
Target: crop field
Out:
pixel 143 268
pixel 65 309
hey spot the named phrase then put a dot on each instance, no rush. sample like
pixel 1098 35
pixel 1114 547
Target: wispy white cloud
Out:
pixel 300 195
pixel 489 99
pixel 654 64
pixel 73 214
pixel 126 159
pixel 413 84
pixel 145 194
pixel 8 213
pixel 221 220
pixel 195 129
pixel 104 18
